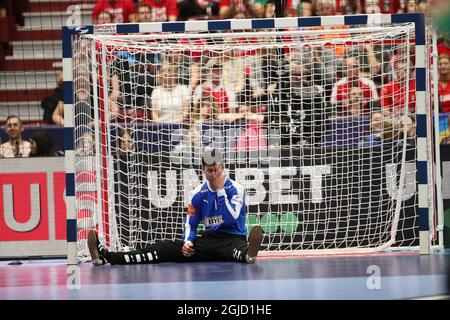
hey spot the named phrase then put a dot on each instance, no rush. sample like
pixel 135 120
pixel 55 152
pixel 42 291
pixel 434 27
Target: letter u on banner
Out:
pixel 35 215
pixel 154 189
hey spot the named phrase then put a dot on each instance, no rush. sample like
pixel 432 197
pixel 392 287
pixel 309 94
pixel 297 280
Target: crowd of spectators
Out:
pixel 289 88
pixel 171 10
pixel 263 88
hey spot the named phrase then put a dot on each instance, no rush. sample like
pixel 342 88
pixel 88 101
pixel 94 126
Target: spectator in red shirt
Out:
pixel 341 90
pixel 123 11
pixel 163 10
pixel 393 94
pixel 370 7
pixel 224 96
pixel 444 82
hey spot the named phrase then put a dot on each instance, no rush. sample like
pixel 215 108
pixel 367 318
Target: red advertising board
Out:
pixel 32 207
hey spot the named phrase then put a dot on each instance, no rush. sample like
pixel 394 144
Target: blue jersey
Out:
pixel 222 211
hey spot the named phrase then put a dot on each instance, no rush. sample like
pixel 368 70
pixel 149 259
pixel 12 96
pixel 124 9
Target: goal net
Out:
pixel 317 123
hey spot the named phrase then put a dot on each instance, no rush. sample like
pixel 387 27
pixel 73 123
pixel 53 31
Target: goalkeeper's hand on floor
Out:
pixel 188 249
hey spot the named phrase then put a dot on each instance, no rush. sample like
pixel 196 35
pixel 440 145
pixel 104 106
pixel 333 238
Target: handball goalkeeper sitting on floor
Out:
pixel 219 203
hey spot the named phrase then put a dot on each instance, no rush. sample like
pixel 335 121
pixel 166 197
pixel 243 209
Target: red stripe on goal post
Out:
pixel 103 155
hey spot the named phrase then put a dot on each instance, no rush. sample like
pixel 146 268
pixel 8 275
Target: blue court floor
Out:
pixel 401 276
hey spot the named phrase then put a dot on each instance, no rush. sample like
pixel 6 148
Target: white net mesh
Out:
pixel 317 124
